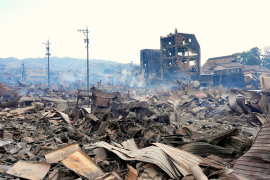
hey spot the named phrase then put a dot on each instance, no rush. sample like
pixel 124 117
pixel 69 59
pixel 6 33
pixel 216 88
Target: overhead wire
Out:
pixel 67 67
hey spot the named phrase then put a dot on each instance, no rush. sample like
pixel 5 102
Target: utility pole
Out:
pixel 131 63
pixel 48 54
pixel 85 32
pixel 23 72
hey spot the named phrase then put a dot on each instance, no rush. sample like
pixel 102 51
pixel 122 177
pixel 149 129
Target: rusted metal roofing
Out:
pixel 80 163
pixel 132 174
pixel 219 137
pixel 213 161
pixel 173 161
pixel 61 153
pixel 130 145
pixel 256 162
pixel 29 170
pixel 102 102
pixel 204 149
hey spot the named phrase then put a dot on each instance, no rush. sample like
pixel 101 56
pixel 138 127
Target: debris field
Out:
pixel 186 133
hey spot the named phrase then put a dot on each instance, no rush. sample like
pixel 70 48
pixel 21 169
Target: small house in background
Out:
pixel 252 74
pixel 228 75
pixel 36 75
pixel 225 70
pixel 255 70
pixel 206 78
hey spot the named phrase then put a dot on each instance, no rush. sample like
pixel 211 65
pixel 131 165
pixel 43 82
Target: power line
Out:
pixel 67 67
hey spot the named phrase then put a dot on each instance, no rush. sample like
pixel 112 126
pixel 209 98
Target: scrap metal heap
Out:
pixel 139 134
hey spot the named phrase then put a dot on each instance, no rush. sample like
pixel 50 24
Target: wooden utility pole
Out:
pixel 85 32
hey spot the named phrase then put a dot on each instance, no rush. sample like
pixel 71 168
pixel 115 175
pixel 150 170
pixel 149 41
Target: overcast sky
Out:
pixel 119 29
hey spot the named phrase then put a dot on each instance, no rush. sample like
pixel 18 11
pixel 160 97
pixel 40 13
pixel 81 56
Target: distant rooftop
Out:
pixel 218 60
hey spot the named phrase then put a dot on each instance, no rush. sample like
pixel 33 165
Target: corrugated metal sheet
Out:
pixel 256 162
pixel 4 168
pixel 173 161
pixel 61 153
pixel 130 145
pixel 213 161
pixel 204 149
pixel 80 163
pixel 132 174
pixel 102 102
pixel 29 170
pixel 219 137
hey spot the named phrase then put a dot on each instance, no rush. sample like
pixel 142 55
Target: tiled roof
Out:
pixel 213 61
pixel 229 65
pixel 255 68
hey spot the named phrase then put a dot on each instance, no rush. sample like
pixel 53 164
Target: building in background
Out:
pixel 228 75
pixel 150 61
pixel 179 56
pixel 36 76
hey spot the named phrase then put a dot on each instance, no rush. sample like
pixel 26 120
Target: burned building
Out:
pixel 179 56
pixel 180 52
pixel 150 61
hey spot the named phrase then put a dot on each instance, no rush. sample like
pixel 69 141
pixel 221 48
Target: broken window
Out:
pixel 192 63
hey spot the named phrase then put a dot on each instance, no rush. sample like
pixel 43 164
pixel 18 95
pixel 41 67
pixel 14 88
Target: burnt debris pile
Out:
pixel 185 133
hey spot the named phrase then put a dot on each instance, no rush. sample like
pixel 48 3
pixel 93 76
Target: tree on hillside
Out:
pixel 266 57
pixel 256 52
pixel 252 57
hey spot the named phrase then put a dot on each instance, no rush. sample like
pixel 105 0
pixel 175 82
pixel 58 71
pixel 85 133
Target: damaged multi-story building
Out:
pixel 179 56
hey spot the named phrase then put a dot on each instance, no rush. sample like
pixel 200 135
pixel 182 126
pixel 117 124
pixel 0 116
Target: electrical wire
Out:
pixel 67 67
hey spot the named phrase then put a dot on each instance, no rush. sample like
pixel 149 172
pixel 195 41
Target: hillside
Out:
pixel 14 65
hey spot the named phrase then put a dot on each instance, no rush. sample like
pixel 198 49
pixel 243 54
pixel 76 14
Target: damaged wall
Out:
pixel 179 56
pixel 180 52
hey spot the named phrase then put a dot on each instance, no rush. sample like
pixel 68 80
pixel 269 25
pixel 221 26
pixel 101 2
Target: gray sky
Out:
pixel 119 29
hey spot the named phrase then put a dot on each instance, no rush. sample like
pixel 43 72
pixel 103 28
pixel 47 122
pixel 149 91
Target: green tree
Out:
pixel 256 52
pixel 266 57
pixel 252 57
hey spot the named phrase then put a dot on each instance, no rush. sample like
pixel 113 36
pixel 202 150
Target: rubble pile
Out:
pixel 139 134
